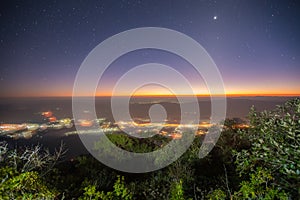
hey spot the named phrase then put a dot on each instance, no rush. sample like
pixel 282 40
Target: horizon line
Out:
pixel 164 95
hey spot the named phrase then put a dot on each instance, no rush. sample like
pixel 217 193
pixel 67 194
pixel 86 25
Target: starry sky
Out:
pixel 255 44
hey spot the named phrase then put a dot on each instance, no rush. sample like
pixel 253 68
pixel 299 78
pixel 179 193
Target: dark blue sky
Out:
pixel 255 44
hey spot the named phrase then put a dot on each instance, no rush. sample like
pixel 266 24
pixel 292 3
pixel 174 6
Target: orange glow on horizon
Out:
pixel 158 92
pixel 163 95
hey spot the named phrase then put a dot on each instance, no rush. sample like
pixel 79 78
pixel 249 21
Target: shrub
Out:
pixel 275 147
pixel 21 173
pixel 120 192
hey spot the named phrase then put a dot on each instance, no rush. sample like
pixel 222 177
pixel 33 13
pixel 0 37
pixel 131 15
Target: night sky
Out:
pixel 255 44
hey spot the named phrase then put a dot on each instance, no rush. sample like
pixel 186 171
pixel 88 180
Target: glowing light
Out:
pixel 85 123
pixel 47 114
pixel 52 119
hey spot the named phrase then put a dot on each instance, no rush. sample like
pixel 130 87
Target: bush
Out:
pixel 275 147
pixel 260 187
pixel 22 172
pixel 120 192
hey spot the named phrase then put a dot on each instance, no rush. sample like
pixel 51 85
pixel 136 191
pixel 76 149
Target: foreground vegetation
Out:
pixel 260 162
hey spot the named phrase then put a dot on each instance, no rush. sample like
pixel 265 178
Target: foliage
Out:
pixel 21 173
pixel 275 146
pixel 120 192
pixel 176 191
pixel 153 186
pixel 131 144
pixel 217 194
pixel 260 187
pixel 30 159
pixel 90 192
pixel 26 185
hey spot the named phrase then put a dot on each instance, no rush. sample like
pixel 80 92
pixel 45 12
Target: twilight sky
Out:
pixel 255 44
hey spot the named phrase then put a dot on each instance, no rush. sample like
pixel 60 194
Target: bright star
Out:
pixel 215 17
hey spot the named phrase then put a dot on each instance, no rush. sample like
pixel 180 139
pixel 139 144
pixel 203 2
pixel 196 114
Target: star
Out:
pixel 215 17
